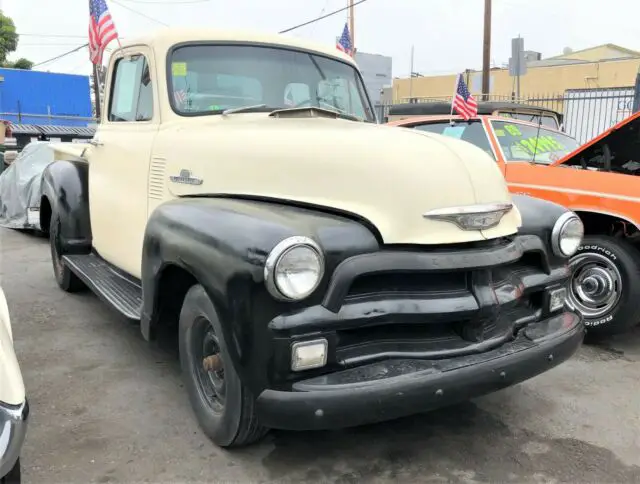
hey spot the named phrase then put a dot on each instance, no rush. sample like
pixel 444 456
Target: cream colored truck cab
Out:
pixel 318 269
pixel 14 408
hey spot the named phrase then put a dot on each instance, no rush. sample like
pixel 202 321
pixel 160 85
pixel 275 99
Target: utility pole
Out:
pixel 96 83
pixel 486 50
pixel 96 90
pixel 352 27
pixel 411 77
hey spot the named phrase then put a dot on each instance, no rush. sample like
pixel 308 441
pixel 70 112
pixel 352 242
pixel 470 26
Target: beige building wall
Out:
pixel 546 80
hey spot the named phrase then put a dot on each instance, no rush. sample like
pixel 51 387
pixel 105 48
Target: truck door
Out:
pixel 119 161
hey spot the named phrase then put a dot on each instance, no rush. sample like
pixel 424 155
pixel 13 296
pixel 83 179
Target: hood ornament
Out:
pixel 185 178
pixel 471 217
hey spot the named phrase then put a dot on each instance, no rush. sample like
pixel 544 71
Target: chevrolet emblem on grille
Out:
pixel 471 217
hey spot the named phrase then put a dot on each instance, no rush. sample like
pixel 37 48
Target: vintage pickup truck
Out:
pixel 598 181
pixel 240 195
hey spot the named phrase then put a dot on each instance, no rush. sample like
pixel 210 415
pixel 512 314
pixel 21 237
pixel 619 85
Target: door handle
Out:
pixel 95 142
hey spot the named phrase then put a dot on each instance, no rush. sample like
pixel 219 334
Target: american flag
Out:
pixel 102 30
pixel 180 96
pixel 344 42
pixel 463 102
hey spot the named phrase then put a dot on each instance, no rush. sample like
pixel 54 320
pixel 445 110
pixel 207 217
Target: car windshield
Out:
pixel 471 131
pixel 522 142
pixel 208 79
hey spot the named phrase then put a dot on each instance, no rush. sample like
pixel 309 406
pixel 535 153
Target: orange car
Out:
pixel 598 180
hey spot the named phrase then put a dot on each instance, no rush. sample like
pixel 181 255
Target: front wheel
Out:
pixel 223 406
pixel 605 284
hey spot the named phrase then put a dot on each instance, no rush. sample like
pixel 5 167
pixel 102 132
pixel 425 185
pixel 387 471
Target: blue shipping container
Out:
pixel 46 95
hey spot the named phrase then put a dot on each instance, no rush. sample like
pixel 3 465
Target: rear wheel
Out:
pixel 224 407
pixel 605 284
pixel 65 278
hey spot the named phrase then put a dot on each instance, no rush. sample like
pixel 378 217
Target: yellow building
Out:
pixel 603 66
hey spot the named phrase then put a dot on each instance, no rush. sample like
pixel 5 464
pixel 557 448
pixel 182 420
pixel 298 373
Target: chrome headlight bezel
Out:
pixel 276 256
pixel 559 228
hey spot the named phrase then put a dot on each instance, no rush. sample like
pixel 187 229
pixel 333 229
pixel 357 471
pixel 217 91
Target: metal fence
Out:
pixel 586 112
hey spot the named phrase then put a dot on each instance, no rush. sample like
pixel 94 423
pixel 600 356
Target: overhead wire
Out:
pixel 322 17
pixel 304 24
pixel 140 13
pixel 80 47
pixel 170 2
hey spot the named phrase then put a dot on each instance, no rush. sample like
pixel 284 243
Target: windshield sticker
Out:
pixel 500 133
pixel 512 130
pixel 544 144
pixel 454 131
pixel 179 69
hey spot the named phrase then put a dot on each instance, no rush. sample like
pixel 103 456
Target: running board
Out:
pixel 116 289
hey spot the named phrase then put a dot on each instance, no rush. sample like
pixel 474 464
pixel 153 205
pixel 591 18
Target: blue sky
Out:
pixel 447 35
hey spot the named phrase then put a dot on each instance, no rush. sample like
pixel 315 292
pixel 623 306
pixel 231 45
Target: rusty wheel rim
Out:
pixel 209 365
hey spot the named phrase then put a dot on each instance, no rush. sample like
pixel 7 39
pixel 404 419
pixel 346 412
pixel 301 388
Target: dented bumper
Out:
pixel 398 387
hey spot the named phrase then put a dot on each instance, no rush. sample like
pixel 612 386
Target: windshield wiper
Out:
pixel 338 113
pixel 247 109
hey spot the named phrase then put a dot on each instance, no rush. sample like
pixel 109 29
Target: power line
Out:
pixel 62 55
pixel 167 2
pixel 54 35
pixel 140 13
pixel 309 22
pixel 317 19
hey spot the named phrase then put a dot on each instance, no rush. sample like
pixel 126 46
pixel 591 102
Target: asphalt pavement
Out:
pixel 108 407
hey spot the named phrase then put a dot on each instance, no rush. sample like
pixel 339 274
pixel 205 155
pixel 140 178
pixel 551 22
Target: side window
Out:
pixel 132 91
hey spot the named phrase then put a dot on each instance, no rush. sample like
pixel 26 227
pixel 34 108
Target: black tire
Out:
pixel 14 476
pixel 608 260
pixel 65 278
pixel 223 406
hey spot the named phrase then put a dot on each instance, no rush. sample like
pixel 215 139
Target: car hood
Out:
pixel 12 387
pixel 389 176
pixel 623 140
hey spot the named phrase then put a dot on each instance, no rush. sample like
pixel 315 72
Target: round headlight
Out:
pixel 294 268
pixel 567 235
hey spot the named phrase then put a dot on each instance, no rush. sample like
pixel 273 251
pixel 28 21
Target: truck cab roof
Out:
pixel 165 39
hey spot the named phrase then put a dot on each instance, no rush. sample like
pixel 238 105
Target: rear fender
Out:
pixel 65 185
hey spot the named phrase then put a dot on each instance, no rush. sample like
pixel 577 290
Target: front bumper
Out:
pixel 398 387
pixel 13 428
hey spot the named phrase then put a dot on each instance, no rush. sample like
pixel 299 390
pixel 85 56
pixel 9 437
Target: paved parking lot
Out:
pixel 108 407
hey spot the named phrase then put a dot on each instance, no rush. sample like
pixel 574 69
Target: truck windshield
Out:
pixel 208 79
pixel 523 142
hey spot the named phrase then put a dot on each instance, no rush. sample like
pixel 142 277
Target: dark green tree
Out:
pixel 9 44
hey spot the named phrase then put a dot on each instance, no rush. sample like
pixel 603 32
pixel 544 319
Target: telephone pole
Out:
pixel 96 90
pixel 352 26
pixel 96 83
pixel 486 50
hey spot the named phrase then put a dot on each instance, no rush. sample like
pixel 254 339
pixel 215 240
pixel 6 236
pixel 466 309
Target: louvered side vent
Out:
pixel 156 178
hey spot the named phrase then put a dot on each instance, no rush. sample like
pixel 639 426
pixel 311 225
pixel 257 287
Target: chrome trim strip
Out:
pixel 276 254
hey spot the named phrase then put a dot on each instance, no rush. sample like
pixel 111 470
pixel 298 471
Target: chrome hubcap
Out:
pixel 596 285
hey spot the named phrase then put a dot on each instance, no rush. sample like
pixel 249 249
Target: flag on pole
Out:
pixel 344 42
pixel 463 102
pixel 102 30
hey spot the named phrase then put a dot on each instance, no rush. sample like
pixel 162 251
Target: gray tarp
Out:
pixel 20 185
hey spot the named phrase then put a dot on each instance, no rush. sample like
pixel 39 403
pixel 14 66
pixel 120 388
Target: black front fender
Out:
pixel 65 185
pixel 223 243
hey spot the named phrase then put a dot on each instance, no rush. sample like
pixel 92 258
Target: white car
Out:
pixel 14 409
